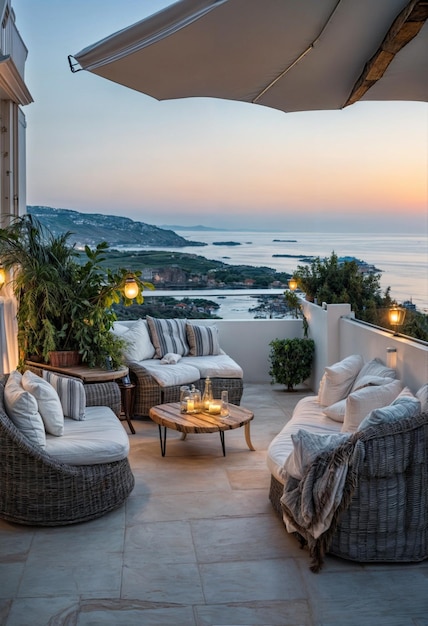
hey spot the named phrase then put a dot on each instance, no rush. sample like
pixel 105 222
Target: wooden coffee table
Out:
pixel 169 416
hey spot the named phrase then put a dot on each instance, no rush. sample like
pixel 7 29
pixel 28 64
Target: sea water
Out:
pixel 402 260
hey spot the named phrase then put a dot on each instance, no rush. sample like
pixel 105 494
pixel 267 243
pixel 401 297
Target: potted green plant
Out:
pixel 291 361
pixel 64 298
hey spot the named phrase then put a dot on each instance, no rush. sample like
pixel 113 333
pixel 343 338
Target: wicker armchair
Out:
pixel 37 490
pixel 384 517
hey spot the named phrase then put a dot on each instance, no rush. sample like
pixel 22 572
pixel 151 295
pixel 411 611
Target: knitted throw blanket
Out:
pixel 311 506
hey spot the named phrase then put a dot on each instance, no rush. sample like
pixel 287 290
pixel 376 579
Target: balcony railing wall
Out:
pixel 371 342
pixel 336 334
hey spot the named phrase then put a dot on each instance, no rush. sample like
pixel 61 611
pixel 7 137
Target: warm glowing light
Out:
pixel 131 288
pixel 396 316
pixel 292 284
pixel 2 276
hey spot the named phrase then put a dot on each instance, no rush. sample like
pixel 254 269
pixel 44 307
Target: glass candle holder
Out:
pixel 224 411
pixel 184 396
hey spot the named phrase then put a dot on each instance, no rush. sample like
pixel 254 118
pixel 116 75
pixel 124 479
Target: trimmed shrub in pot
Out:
pixel 291 361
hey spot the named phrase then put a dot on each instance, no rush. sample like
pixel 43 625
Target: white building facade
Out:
pixel 13 95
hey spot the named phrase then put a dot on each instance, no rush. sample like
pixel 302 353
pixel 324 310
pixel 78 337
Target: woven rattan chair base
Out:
pixel 387 519
pixel 37 490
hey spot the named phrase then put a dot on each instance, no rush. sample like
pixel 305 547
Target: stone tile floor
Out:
pixel 197 544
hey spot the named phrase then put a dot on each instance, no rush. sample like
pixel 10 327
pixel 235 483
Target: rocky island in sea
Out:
pixel 226 243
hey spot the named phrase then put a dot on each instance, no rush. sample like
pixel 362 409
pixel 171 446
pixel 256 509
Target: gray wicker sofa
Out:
pixel 157 381
pixel 382 512
pixel 37 489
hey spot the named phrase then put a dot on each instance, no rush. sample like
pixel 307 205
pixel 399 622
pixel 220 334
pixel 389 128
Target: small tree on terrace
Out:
pixel 327 280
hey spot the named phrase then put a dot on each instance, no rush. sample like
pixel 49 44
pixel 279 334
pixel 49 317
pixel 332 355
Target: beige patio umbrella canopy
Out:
pixel 291 55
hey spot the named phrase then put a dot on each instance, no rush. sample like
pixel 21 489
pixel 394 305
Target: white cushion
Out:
pixel 401 408
pixel 71 392
pixel 422 396
pixel 120 329
pixel 21 407
pixel 168 335
pixel 321 385
pixel 361 402
pixel 406 393
pixel 370 380
pixel 48 402
pixel 216 366
pixel 138 346
pixel 100 438
pixel 308 416
pixel 337 410
pixel 373 368
pixel 171 375
pixel 339 379
pixel 202 340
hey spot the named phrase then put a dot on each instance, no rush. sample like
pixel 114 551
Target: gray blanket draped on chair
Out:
pixel 311 506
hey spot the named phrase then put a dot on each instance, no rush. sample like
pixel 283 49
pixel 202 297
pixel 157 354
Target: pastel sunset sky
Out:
pixel 94 146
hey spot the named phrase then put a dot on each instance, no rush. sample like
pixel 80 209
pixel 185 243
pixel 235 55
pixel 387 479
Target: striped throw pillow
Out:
pixel 71 393
pixel 168 336
pixel 203 340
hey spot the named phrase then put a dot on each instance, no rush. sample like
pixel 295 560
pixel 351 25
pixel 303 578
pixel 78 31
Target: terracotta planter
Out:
pixel 64 358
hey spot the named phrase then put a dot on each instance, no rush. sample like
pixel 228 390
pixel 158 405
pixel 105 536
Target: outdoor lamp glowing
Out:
pixel 2 277
pixel 131 288
pixel 292 284
pixel 396 317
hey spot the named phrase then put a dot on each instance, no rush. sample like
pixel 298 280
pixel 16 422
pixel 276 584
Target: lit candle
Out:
pixel 214 408
pixel 190 406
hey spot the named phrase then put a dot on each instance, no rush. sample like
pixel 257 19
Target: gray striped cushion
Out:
pixel 203 340
pixel 71 394
pixel 168 336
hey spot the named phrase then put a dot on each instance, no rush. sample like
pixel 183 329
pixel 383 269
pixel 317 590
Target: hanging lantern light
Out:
pixel 396 317
pixel 131 288
pixel 292 284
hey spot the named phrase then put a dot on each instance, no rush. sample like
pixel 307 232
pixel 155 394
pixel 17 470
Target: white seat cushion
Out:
pixel 308 415
pixel 170 375
pixel 99 438
pixel 216 366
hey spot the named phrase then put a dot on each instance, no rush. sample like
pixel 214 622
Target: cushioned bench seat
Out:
pixel 99 438
pixel 162 355
pixel 349 470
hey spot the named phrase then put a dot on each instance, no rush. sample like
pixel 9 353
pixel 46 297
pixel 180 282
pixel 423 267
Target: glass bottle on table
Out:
pixel 207 396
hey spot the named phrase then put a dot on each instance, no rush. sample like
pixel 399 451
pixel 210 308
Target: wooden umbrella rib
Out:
pixel 404 28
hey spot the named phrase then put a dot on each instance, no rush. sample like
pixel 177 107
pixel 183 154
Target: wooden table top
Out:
pixel 169 415
pixel 85 373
